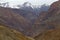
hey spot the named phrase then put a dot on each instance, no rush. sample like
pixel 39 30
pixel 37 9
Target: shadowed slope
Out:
pixel 39 25
pixel 14 20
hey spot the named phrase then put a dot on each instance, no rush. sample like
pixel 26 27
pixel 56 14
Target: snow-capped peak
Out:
pixel 27 4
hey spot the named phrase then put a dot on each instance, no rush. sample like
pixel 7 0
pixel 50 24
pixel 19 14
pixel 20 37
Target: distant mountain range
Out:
pixel 31 13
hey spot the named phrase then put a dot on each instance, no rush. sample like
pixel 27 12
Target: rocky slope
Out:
pixel 53 29
pixel 27 13
pixel 39 25
pixel 48 20
pixel 11 34
pixel 15 21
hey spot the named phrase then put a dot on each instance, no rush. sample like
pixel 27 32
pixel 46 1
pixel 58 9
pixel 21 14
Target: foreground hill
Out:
pixel 15 21
pixel 49 35
pixel 10 34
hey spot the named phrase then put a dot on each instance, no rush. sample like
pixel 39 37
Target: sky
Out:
pixel 33 2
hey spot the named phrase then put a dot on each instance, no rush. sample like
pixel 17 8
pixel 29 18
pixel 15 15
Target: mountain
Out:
pixel 48 20
pixel 29 12
pixel 11 34
pixel 15 21
pixel 20 19
pixel 26 4
pixel 26 12
pixel 39 26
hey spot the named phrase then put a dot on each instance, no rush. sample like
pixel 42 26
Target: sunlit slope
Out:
pixel 10 34
pixel 49 35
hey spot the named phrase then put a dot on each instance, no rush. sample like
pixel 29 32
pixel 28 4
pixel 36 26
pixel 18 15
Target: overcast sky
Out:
pixel 34 2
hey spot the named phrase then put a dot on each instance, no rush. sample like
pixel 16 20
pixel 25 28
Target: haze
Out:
pixel 33 2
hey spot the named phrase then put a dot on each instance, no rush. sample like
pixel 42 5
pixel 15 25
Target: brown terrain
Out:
pixel 47 20
pixel 11 34
pixel 49 35
pixel 39 25
pixel 52 23
pixel 13 20
pixel 45 27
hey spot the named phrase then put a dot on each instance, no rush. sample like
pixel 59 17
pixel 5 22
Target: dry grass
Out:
pixel 10 34
pixel 49 35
